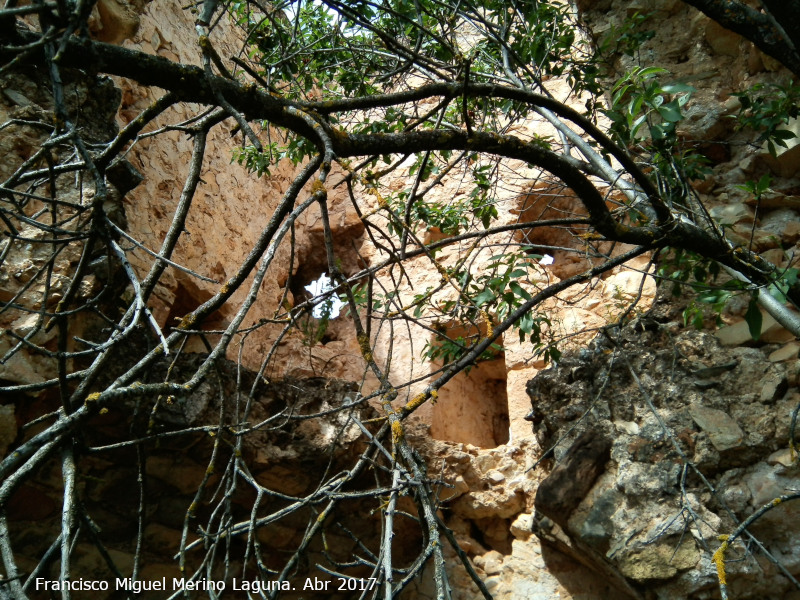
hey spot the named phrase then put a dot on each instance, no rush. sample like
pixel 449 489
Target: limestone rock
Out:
pixel 722 430
pixel 114 21
pixel 785 352
pixel 623 526
pixel 776 256
pixel 731 214
pixel 786 161
pixel 782 457
pixel 739 333
pixel 777 200
pixel 163 537
pixel 661 560
pixel 495 477
pixel 562 491
pixel 183 474
pixel 522 527
pixel 615 494
pixel 491 562
pixel 722 41
pixel 773 388
pixel 783 223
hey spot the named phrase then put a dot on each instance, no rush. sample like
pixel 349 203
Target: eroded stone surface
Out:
pixel 633 522
pixel 722 430
pixel 649 517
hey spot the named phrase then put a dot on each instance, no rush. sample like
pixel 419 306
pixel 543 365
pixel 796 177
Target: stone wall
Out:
pixel 645 525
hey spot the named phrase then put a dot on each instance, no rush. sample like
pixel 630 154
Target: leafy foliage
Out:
pixel 627 37
pixel 766 108
pixel 377 105
pixel 640 100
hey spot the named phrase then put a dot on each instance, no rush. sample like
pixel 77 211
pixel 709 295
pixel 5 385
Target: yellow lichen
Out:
pixel 415 402
pixel 382 203
pixel 719 559
pixel 397 431
pixel 94 397
pixel 318 186
pixel 488 322
pixel 375 420
pixel 187 321
pixel 103 411
pixel 363 344
pixel 620 229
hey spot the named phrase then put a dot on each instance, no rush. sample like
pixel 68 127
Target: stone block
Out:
pixel 660 561
pixel 773 388
pixel 723 431
pixel 522 527
pixel 730 214
pixel 785 352
pixel 782 457
pixel 739 332
pixel 722 41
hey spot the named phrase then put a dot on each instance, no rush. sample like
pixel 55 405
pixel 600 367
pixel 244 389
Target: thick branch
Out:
pixel 757 27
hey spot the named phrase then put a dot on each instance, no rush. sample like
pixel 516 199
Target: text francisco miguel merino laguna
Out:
pixel 136 586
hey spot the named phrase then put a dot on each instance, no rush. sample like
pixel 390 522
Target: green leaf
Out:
pixel 670 113
pixel 657 132
pixel 620 94
pixel 553 354
pixel 519 290
pixel 763 183
pixel 754 319
pixel 637 124
pixel 682 100
pixel 484 297
pixel 651 72
pixel 677 88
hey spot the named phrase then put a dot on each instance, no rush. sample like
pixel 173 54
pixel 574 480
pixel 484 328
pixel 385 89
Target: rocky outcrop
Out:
pixel 27 111
pixel 610 480
pixel 663 441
